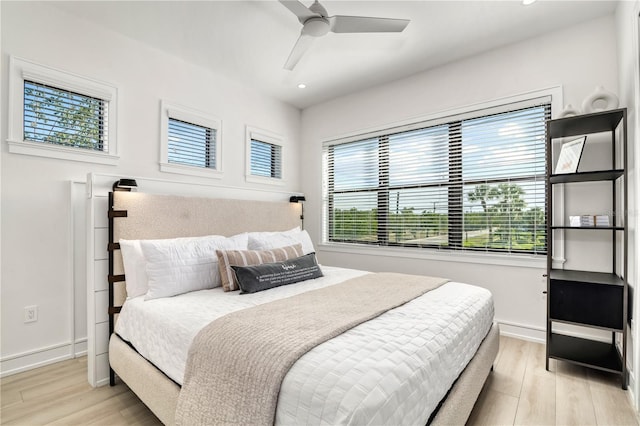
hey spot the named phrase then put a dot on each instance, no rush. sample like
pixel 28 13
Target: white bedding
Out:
pixel 393 369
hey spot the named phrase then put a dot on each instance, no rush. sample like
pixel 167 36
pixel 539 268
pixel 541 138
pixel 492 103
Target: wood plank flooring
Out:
pixel 521 392
pixel 518 392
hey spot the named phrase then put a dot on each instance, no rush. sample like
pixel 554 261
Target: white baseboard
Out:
pixel 538 334
pixel 630 391
pixel 81 347
pixel 28 360
pixel 102 382
pixel 522 331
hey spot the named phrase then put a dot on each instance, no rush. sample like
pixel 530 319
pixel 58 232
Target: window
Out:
pixel 265 159
pixel 190 142
pixel 57 114
pixel 469 182
pixel 61 117
pixel 264 162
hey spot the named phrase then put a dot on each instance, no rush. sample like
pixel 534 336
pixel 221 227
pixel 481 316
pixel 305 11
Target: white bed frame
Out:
pixel 148 216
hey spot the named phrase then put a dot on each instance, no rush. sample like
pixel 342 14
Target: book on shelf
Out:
pixel 586 220
pixel 602 220
pixel 589 221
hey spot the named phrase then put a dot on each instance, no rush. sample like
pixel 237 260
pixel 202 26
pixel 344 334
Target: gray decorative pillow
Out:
pixel 228 258
pixel 269 275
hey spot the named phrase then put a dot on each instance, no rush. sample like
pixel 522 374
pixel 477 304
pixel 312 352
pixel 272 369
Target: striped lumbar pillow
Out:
pixel 228 258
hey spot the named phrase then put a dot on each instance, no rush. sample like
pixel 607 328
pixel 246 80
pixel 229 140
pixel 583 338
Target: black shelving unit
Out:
pixel 591 299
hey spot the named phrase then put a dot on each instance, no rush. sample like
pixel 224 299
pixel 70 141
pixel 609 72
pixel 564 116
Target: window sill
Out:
pixel 190 170
pixel 61 152
pixel 265 180
pixel 517 260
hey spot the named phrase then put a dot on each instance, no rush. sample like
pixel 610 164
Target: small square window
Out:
pixel 266 159
pixel 191 145
pixel 190 142
pixel 264 162
pixel 56 114
pixel 61 117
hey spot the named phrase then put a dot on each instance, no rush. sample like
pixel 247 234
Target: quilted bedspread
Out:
pixel 393 370
pixel 237 363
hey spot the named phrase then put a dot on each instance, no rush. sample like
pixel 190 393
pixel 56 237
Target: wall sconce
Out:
pixel 125 185
pixel 299 199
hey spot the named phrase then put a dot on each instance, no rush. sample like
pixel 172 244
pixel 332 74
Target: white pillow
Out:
pixel 181 265
pixel 305 240
pixel 271 240
pixel 134 268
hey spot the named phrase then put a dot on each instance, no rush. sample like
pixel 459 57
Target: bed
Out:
pixel 423 361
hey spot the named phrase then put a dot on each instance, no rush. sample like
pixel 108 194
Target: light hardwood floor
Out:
pixel 519 391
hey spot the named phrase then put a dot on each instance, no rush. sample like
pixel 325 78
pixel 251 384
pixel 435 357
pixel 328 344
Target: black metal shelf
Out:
pixel 593 176
pixel 596 300
pixel 600 228
pixel 588 277
pixel 581 324
pixel 597 122
pixel 586 352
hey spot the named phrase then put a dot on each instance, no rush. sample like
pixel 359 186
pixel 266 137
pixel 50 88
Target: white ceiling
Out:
pixel 250 41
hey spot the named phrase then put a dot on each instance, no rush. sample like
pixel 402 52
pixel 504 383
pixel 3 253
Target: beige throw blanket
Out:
pixel 237 363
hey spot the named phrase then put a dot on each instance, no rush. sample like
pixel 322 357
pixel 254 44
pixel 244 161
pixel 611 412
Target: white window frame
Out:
pixel 199 118
pixel 512 259
pixel 267 137
pixel 21 70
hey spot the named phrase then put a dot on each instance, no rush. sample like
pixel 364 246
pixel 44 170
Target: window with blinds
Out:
pixel 266 159
pixel 191 144
pixel 472 183
pixel 61 117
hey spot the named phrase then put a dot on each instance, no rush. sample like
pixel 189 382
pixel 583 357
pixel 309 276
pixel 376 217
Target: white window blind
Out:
pixel 473 183
pixel 266 159
pixel 61 117
pixel 191 145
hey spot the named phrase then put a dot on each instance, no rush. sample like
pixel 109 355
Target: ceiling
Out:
pixel 249 41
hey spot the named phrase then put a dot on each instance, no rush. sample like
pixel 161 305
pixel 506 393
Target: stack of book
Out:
pixel 589 221
pixel 602 220
pixel 586 220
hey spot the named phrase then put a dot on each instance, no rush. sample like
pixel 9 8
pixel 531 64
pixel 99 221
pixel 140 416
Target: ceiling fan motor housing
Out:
pixel 316 27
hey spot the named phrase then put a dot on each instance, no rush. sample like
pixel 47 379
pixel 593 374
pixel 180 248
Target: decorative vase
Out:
pixel 569 111
pixel 600 100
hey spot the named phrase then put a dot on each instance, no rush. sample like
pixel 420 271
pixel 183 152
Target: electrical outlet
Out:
pixel 31 313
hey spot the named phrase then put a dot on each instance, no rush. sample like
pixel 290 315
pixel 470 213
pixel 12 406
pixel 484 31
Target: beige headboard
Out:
pixel 136 216
pixel 151 216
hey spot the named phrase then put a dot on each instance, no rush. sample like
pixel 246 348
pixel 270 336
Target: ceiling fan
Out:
pixel 316 23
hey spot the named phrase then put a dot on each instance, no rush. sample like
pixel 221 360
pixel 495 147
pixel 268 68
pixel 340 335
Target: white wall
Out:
pixel 36 209
pixel 578 58
pixel 627 22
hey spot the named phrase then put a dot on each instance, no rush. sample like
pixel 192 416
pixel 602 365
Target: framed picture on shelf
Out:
pixel 570 154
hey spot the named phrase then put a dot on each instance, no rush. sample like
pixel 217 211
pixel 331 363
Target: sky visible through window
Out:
pixel 504 145
pixel 62 117
pixel 481 179
pixel 265 159
pixel 191 145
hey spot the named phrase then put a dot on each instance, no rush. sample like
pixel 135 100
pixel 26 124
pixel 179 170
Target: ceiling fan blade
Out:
pixel 364 24
pixel 303 43
pixel 300 10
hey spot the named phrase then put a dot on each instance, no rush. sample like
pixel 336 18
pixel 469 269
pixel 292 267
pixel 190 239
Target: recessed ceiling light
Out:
pixel 528 2
pixel 301 86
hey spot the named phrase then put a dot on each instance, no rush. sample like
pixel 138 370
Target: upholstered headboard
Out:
pixel 152 216
pixel 140 216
